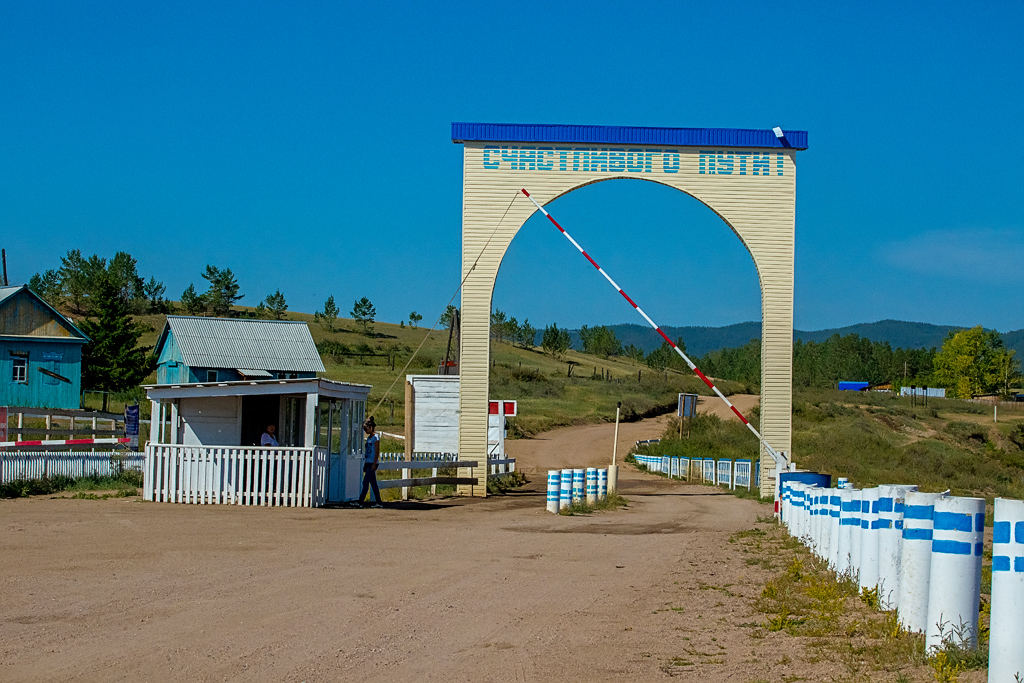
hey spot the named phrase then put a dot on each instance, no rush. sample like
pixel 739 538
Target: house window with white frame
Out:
pixel 19 367
pixel 211 375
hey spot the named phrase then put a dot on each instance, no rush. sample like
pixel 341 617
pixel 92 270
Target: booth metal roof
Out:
pixel 274 345
pixel 627 135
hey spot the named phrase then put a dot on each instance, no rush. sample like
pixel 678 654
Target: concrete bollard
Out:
pixel 835 503
pixel 816 518
pixel 602 484
pixel 916 560
pixel 578 480
pixel 796 509
pixel 955 578
pixel 869 539
pixel 591 485
pixel 613 478
pixel 847 517
pixel 890 541
pixel 1005 651
pixel 565 489
pixel 554 484
pixel 856 503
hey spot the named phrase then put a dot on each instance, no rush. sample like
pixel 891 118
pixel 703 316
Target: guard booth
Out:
pixel 204 442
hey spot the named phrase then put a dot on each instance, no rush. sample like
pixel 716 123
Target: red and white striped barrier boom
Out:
pixel 62 442
pixel 780 462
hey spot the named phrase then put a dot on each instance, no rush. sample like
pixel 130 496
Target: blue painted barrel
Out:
pixel 554 484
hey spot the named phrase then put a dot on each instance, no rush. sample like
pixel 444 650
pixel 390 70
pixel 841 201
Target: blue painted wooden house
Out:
pixel 40 353
pixel 197 350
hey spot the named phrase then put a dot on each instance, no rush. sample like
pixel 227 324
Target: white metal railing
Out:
pixel 36 465
pixel 234 475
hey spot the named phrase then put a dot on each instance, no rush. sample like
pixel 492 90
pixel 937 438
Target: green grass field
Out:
pixel 876 438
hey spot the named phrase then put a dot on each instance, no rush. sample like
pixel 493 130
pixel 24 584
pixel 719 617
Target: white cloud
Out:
pixel 969 254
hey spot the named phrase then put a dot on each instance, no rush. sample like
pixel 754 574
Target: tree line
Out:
pixel 969 363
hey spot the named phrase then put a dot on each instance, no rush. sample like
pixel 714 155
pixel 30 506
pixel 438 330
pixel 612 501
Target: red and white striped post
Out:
pixel 780 462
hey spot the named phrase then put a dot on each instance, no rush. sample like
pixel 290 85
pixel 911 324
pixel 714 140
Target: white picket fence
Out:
pixel 36 465
pixel 232 475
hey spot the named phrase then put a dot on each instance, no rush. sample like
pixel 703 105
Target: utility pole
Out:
pixel 3 255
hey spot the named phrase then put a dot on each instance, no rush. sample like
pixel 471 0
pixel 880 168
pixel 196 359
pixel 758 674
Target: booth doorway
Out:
pixel 257 413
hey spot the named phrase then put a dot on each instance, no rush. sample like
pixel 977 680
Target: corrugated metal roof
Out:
pixel 626 135
pixel 8 292
pixel 272 345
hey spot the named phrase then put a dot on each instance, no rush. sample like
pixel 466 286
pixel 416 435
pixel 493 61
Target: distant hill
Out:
pixel 701 340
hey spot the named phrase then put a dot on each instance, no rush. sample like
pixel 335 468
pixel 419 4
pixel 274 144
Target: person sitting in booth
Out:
pixel 268 437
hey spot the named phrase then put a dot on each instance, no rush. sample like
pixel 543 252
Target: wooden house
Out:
pixel 193 350
pixel 40 353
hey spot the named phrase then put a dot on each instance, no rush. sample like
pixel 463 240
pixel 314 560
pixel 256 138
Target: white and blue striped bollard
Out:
pixel 856 503
pixel 869 539
pixel 1006 642
pixel 958 531
pixel 602 483
pixel 591 485
pixel 577 485
pixel 565 490
pixel 835 503
pixel 847 517
pixel 916 560
pixel 554 484
pixel 891 498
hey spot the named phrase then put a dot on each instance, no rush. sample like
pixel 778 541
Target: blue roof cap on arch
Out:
pixel 626 135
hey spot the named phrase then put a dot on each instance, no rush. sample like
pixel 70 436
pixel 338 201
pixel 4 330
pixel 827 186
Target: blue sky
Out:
pixel 307 147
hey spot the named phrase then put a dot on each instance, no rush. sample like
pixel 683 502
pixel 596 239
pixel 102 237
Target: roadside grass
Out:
pixel 20 488
pixel 877 439
pixel 838 623
pixel 612 501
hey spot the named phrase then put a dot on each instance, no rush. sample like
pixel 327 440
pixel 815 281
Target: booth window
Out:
pixel 211 375
pixel 19 371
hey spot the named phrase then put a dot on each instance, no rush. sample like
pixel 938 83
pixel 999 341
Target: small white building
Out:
pixel 435 416
pixel 201 447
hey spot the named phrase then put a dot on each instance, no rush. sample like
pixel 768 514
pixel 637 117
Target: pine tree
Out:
pixel 329 315
pixel 364 313
pixel 275 305
pixel 113 359
pixel 223 291
pixel 192 302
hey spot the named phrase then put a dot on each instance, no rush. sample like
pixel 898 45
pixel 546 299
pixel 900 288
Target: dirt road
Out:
pixel 455 590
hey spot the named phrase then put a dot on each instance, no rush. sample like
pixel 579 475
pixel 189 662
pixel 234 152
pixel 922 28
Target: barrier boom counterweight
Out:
pixel 779 460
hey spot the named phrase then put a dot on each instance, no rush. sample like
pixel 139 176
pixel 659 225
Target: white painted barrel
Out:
pixel 565 489
pixel 602 483
pixel 847 516
pixel 835 503
pixel 554 484
pixel 890 541
pixel 869 538
pixel 854 520
pixel 591 485
pixel 1006 642
pixel 842 483
pixel 578 479
pixel 958 530
pixel 916 560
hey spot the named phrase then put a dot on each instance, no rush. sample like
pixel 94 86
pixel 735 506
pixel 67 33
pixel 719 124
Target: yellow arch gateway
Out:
pixel 747 177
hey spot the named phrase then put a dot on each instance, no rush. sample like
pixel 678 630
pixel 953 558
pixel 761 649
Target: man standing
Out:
pixel 371 458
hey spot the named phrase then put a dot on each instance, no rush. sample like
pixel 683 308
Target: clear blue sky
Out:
pixel 307 147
